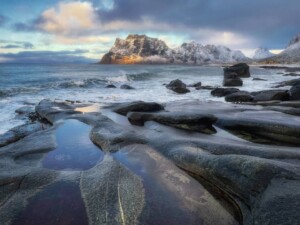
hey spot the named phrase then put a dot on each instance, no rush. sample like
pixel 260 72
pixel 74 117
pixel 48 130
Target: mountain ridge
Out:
pixel 141 49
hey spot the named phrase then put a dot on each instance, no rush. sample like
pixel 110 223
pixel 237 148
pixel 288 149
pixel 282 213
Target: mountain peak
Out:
pixel 295 40
pixel 143 49
pixel 262 53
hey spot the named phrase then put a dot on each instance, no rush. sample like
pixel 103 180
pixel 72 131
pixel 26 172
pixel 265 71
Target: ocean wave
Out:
pixel 141 76
pixel 86 83
pixel 57 85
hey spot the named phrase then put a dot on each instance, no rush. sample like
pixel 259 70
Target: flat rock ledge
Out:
pixel 163 171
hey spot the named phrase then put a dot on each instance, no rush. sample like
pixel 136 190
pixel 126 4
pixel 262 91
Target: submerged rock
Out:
pixel 240 96
pixel 178 86
pixel 221 92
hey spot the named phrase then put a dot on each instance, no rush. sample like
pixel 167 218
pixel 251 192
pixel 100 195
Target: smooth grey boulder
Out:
pixel 241 69
pixel 20 132
pixel 178 86
pixel 139 106
pixel 221 92
pixel 192 122
pixel 270 95
pixel 240 96
pixel 295 92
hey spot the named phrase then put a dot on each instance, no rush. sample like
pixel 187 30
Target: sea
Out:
pixel 27 84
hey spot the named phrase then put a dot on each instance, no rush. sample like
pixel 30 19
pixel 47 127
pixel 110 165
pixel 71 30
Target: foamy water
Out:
pixel 23 84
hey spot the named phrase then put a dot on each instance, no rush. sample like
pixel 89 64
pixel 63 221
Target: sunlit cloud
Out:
pixel 68 18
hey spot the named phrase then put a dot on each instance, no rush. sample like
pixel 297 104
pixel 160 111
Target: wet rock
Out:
pixel 295 92
pixel 195 85
pixel 240 96
pixel 192 122
pixel 110 86
pixel 259 79
pixel 25 110
pixel 112 193
pixel 205 87
pixel 53 111
pixel 232 80
pixel 270 95
pixel 139 106
pixel 126 87
pixel 293 82
pixel 240 69
pixel 292 74
pixel 20 132
pixel 221 92
pixel 178 86
pixel 110 137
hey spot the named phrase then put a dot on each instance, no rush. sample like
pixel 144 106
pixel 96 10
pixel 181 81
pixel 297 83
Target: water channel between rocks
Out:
pixel 75 150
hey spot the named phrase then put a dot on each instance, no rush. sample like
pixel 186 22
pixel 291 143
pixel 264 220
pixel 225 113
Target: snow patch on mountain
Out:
pixel 262 53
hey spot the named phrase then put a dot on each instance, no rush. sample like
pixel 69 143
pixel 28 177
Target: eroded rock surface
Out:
pixel 245 172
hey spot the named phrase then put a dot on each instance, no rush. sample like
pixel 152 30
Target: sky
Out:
pixel 82 31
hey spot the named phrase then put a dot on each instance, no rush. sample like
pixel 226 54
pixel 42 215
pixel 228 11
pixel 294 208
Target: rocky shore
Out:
pixel 182 162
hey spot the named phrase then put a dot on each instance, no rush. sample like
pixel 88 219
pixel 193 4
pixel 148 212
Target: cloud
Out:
pixel 3 20
pixel 268 23
pixel 68 18
pixel 16 45
pixel 46 57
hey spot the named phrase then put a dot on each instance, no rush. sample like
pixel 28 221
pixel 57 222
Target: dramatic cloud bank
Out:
pixel 243 25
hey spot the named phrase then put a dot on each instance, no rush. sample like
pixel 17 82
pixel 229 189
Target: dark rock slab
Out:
pixel 221 92
pixel 295 92
pixel 259 79
pixel 110 86
pixel 195 85
pixel 178 86
pixel 126 87
pixel 293 82
pixel 205 87
pixel 240 96
pixel 192 122
pixel 139 106
pixel 241 69
pixel 270 95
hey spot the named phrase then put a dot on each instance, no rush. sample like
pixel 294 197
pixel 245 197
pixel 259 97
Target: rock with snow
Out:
pixel 262 53
pixel 194 53
pixel 137 49
pixel 291 55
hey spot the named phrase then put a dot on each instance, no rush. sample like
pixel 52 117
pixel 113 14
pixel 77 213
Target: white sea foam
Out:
pixel 89 85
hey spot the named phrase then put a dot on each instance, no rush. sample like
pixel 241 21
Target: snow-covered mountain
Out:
pixel 194 53
pixel 289 56
pixel 262 53
pixel 143 49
